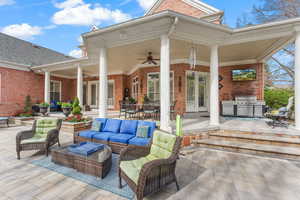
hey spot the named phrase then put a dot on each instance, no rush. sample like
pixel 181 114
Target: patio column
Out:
pixel 103 83
pixel 47 88
pixel 214 86
pixel 297 81
pixel 80 84
pixel 165 83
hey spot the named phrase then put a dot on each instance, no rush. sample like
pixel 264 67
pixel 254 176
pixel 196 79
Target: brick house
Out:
pixel 196 59
pixel 17 80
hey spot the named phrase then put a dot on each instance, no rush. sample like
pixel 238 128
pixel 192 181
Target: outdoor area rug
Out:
pixel 109 183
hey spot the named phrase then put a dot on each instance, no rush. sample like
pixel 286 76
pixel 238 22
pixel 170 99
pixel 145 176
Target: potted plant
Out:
pixel 44 108
pixel 132 100
pixel 66 108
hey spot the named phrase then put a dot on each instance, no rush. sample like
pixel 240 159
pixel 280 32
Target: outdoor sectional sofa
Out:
pixel 118 134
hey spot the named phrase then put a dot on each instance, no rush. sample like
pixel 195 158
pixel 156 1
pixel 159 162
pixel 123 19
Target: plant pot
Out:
pixel 43 110
pixel 67 111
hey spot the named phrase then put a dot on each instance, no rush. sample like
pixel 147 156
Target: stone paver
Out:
pixel 205 174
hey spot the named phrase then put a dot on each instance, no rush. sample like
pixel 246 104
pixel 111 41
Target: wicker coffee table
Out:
pixel 97 164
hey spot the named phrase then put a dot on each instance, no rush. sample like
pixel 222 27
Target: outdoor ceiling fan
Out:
pixel 149 59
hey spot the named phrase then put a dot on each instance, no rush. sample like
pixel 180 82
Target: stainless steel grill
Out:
pixel 243 106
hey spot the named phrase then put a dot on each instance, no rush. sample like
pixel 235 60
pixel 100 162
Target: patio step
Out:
pixel 269 133
pixel 282 152
pixel 256 138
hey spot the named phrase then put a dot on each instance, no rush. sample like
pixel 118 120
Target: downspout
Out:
pixel 173 26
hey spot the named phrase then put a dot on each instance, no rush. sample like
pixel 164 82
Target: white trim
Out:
pixel 202 6
pixel 73 61
pixel 16 66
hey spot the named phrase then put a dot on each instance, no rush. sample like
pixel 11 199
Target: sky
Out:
pixel 57 24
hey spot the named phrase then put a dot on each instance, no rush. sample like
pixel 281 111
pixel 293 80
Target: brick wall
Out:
pixel 16 85
pixel 228 92
pixel 180 7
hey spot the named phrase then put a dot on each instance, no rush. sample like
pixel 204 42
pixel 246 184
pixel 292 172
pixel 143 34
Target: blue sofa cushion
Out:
pixel 88 134
pixel 112 125
pixel 139 141
pixel 152 126
pixel 120 138
pixel 128 127
pixel 103 136
pixel 103 122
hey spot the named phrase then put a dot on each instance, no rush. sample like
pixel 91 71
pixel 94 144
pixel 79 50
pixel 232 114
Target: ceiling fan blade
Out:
pixel 145 62
pixel 156 59
pixel 154 62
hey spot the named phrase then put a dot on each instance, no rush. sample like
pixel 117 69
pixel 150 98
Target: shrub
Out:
pixel 277 98
pixel 44 104
pixel 66 105
pixel 28 105
pixel 76 109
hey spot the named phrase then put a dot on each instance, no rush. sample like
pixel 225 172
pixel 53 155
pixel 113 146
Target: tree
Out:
pixel 280 67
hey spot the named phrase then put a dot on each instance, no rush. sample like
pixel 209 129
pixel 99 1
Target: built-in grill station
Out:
pixel 243 106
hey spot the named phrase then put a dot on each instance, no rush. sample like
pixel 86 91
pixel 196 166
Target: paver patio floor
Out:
pixel 205 174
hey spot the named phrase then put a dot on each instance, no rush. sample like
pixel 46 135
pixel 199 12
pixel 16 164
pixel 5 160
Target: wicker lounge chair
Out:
pixel 148 170
pixel 44 134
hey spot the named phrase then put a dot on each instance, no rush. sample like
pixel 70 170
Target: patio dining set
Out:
pixel 149 110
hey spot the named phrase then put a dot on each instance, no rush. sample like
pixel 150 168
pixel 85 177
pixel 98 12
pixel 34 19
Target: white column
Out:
pixel 103 83
pixel 214 86
pixel 80 84
pixel 47 88
pixel 165 84
pixel 297 81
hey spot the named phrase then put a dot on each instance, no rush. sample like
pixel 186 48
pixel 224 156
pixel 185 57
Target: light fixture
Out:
pixel 193 57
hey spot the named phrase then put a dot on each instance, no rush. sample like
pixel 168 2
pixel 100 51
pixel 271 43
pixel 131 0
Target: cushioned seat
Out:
pixel 128 127
pixel 112 125
pixel 103 136
pixel 103 122
pixel 34 139
pixel 88 134
pixel 133 168
pixel 139 141
pixel 121 138
pixel 161 148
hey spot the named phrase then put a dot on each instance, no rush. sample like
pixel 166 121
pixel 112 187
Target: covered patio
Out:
pixel 115 51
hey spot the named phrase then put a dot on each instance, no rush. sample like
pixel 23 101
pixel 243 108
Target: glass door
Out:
pixel 93 94
pixel 191 92
pixel 196 88
pixel 110 94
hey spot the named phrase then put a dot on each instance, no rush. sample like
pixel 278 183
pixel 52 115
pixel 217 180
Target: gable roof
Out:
pixel 195 3
pixel 14 50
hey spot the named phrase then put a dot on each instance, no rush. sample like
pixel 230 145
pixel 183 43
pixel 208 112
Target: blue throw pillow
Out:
pixel 96 126
pixel 142 131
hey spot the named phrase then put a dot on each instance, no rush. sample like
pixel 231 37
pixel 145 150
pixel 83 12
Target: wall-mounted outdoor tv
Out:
pixel 244 75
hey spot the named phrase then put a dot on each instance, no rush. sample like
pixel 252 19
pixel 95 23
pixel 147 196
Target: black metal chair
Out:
pixel 131 111
pixel 123 105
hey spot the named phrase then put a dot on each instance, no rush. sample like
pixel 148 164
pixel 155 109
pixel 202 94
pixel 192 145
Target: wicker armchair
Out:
pixel 44 134
pixel 153 173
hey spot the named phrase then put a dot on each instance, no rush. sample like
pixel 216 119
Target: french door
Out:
pixel 196 91
pixel 94 94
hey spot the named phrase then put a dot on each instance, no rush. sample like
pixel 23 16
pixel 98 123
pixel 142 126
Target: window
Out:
pixel 153 90
pixel 55 90
pixel 135 88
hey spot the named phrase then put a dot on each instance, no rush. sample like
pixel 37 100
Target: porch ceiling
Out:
pixel 125 59
pixel 129 41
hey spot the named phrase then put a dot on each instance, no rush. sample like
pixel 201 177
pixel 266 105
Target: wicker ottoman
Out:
pixel 97 164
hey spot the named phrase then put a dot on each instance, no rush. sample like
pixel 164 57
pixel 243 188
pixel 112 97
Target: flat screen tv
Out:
pixel 244 75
